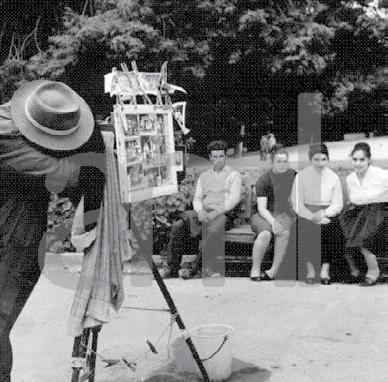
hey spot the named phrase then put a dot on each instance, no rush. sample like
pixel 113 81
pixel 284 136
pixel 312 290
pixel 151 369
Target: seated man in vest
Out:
pixel 218 192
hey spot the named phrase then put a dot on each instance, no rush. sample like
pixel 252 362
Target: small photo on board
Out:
pixel 178 163
pixel 147 123
pixel 152 177
pixel 162 144
pixel 164 174
pixel 163 160
pixel 150 82
pixel 135 176
pixel 160 125
pixel 133 151
pixel 146 148
pixel 179 113
pixel 150 147
pixel 132 124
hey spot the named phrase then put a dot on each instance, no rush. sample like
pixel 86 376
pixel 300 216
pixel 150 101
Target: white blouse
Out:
pixel 372 189
pixel 319 189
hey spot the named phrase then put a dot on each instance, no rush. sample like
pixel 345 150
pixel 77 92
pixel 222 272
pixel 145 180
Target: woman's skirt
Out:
pixel 366 226
pixel 319 243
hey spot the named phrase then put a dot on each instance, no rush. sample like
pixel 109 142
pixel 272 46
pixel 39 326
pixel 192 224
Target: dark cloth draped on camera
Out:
pixel 100 285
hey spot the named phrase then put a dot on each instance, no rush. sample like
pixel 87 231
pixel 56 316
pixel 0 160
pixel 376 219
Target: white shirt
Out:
pixel 317 189
pixel 372 189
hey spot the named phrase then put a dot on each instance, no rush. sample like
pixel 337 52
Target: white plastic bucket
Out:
pixel 214 344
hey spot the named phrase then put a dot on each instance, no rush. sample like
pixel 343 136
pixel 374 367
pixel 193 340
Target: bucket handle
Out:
pixel 220 347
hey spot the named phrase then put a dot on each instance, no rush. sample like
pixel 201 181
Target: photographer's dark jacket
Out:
pixel 28 174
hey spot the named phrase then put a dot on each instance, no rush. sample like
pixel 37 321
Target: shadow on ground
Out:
pixel 241 372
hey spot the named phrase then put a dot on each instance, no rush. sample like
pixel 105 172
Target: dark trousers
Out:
pixel 5 356
pixel 212 252
pixel 19 271
pixel 318 243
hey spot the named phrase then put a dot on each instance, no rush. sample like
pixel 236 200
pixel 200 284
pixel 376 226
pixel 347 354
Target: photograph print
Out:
pixel 160 124
pixel 179 113
pixel 132 122
pixel 135 176
pixel 150 82
pixel 152 177
pixel 147 123
pixel 178 161
pixel 133 151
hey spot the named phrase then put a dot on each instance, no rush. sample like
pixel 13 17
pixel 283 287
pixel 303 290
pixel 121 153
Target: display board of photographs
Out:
pixel 145 144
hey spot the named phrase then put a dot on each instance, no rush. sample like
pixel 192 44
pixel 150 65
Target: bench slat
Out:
pixel 241 234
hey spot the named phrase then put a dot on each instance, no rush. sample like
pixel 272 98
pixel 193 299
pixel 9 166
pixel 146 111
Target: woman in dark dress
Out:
pixel 43 131
pixel 365 220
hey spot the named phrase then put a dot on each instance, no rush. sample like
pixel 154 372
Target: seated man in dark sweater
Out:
pixel 218 191
pixel 273 191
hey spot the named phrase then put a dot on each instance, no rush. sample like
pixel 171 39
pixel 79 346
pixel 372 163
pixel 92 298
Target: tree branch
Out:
pixel 2 32
pixel 11 47
pixel 85 7
pixel 24 42
pixel 36 36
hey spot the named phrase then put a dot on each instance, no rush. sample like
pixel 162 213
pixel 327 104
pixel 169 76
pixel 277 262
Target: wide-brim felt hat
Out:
pixel 52 115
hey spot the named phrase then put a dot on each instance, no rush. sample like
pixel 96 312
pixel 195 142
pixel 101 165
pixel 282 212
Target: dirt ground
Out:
pixel 283 331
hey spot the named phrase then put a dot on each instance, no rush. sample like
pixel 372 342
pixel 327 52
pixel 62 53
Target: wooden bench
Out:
pixel 242 233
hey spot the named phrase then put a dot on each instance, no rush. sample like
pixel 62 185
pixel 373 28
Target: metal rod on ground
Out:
pixel 170 301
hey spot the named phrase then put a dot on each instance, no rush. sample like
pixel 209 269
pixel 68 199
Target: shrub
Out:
pixel 168 208
pixel 165 210
pixel 59 221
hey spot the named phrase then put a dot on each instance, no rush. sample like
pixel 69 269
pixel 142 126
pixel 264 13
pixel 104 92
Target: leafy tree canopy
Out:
pixel 220 50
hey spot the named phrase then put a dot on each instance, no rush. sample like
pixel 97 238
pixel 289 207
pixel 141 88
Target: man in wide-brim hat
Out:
pixel 42 128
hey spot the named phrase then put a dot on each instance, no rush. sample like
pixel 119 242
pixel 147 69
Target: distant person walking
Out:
pixel 271 142
pixel 263 147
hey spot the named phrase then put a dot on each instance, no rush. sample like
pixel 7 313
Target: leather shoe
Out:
pixel 368 282
pixel 167 273
pixel 265 277
pixel 255 278
pixel 325 281
pixel 354 279
pixel 185 273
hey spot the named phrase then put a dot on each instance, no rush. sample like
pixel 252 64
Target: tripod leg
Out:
pixel 75 355
pixel 162 286
pixel 92 357
pixel 78 354
pixel 178 318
